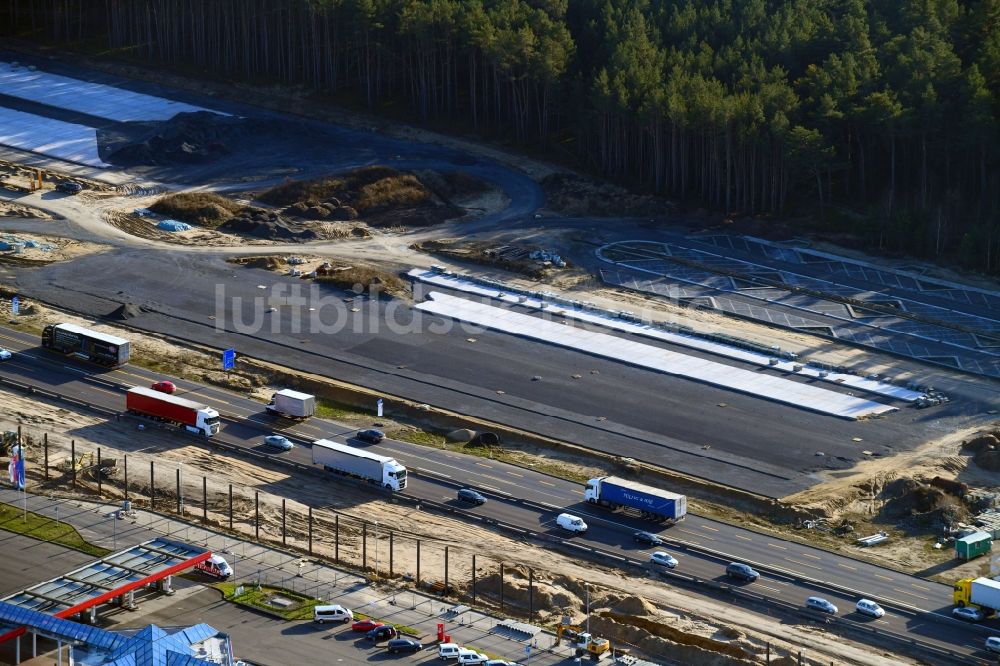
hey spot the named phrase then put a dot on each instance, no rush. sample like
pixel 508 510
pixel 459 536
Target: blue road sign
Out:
pixel 229 359
pixel 15 306
pixel 379 405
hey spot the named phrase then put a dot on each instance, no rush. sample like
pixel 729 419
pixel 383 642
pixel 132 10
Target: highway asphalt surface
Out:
pixel 683 425
pixel 532 500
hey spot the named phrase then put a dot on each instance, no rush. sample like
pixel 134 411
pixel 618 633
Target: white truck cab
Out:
pixel 208 422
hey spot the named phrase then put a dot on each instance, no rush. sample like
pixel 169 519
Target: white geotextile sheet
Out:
pixel 619 349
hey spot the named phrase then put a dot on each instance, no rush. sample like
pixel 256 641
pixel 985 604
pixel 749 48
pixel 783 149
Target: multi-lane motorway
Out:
pixel 532 500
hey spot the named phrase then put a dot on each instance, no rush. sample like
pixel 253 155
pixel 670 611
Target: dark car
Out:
pixel 647 538
pixel 741 571
pixel 383 633
pixel 471 496
pixel 69 187
pixel 371 436
pixel 403 645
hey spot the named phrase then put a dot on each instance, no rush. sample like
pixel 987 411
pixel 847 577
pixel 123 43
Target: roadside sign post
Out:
pixel 379 405
pixel 15 306
pixel 229 359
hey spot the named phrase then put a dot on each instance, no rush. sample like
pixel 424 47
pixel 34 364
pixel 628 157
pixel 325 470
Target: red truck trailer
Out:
pixel 194 416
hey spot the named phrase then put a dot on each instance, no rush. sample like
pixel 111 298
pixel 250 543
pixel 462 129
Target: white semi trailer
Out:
pixel 372 467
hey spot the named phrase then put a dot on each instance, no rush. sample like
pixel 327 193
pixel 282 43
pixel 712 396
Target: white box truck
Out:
pixel 348 460
pixel 292 404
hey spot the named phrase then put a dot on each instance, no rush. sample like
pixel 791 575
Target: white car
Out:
pixel 664 559
pixel 869 607
pixel 471 658
pixel 5 354
pixel 571 523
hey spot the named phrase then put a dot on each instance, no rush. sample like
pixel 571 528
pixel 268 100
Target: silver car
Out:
pixel 822 605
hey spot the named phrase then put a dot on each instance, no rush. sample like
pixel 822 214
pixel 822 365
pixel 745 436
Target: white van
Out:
pixel 448 651
pixel 471 658
pixel 216 567
pixel 334 613
pixel 993 644
pixel 571 523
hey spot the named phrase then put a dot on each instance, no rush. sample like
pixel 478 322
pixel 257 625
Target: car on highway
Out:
pixel 471 658
pixel 993 644
pixel 571 523
pixel 499 662
pixel 869 608
pixel 5 354
pixel 366 625
pixel 741 571
pixel 163 386
pixel 278 442
pixel 968 613
pixel 69 187
pixel 647 538
pixel 403 645
pixel 663 558
pixel 383 633
pixel 370 436
pixel 471 496
pixel 822 605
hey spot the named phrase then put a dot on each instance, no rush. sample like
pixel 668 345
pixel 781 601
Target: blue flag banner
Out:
pixel 15 469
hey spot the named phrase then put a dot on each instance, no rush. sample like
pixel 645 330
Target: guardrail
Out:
pixel 955 657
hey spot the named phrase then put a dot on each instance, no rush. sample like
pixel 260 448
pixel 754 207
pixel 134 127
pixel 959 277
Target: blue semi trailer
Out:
pixel 649 502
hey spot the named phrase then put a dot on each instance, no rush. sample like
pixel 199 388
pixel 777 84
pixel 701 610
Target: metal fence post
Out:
pixel 204 499
pixel 284 540
pixel 126 478
pixel 501 588
pixel 45 443
pixel 531 595
pixel 98 471
pixel 417 581
pixel 256 514
pixel 310 530
pixel 230 507
pixel 178 476
pixel 364 545
pixel 446 569
pixel 336 538
pixel 391 572
pixel 152 486
pixel 473 579
pixel 72 461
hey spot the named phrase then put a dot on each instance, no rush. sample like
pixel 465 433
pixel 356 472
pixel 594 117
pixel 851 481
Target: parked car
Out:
pixel 69 187
pixel 163 386
pixel 471 496
pixel 371 436
pixel 278 442
pixel 741 571
pixel 366 625
pixel 870 608
pixel 663 558
pixel 471 658
pixel 968 613
pixel 448 651
pixel 822 605
pixel 332 613
pixel 647 538
pixel 403 645
pixel 993 644
pixel 383 633
pixel 571 523
pixel 5 354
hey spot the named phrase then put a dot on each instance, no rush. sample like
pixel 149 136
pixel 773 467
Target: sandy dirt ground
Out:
pixel 560 579
pixel 14 209
pixel 48 248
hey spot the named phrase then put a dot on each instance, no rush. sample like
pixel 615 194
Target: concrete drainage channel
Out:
pixel 692 581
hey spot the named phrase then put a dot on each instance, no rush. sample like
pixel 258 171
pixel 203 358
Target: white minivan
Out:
pixel 571 523
pixel 993 644
pixel 448 650
pixel 333 613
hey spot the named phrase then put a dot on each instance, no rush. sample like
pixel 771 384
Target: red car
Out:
pixel 164 387
pixel 366 625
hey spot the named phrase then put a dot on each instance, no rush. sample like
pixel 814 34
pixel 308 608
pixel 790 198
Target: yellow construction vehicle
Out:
pixel 582 641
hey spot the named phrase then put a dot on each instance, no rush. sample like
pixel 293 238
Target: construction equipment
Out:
pixel 581 640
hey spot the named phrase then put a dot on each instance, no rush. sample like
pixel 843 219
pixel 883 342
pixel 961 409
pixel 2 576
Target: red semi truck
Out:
pixel 194 416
